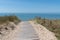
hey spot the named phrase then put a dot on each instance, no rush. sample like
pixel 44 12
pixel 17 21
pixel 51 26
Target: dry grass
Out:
pixel 52 25
pixel 6 19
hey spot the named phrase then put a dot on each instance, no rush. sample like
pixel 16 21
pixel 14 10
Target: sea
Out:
pixel 29 16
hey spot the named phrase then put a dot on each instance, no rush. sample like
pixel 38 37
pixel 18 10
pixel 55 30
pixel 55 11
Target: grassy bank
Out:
pixel 52 25
pixel 8 25
pixel 6 19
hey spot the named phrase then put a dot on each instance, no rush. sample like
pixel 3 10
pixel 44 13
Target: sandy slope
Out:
pixel 44 34
pixel 12 33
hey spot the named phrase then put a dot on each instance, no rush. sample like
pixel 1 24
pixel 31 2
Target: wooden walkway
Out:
pixel 27 32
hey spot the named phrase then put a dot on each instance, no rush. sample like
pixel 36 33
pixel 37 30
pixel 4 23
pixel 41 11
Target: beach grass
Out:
pixel 11 18
pixel 51 24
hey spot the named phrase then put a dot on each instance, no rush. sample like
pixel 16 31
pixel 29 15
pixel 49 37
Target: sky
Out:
pixel 29 6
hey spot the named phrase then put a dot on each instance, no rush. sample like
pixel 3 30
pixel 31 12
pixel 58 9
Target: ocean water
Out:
pixel 28 16
pixel 31 16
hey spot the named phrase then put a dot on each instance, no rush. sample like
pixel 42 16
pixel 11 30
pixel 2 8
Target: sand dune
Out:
pixel 28 31
pixel 44 34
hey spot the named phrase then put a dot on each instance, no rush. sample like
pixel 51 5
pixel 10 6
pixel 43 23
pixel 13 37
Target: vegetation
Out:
pixel 5 19
pixel 52 25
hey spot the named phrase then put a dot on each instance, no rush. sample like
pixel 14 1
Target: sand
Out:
pixel 44 34
pixel 11 35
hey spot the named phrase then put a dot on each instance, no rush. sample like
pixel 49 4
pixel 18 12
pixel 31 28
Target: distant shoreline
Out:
pixel 28 16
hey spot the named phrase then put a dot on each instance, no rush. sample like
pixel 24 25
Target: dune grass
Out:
pixel 53 25
pixel 11 18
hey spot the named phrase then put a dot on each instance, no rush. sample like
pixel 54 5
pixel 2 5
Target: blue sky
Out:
pixel 29 6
